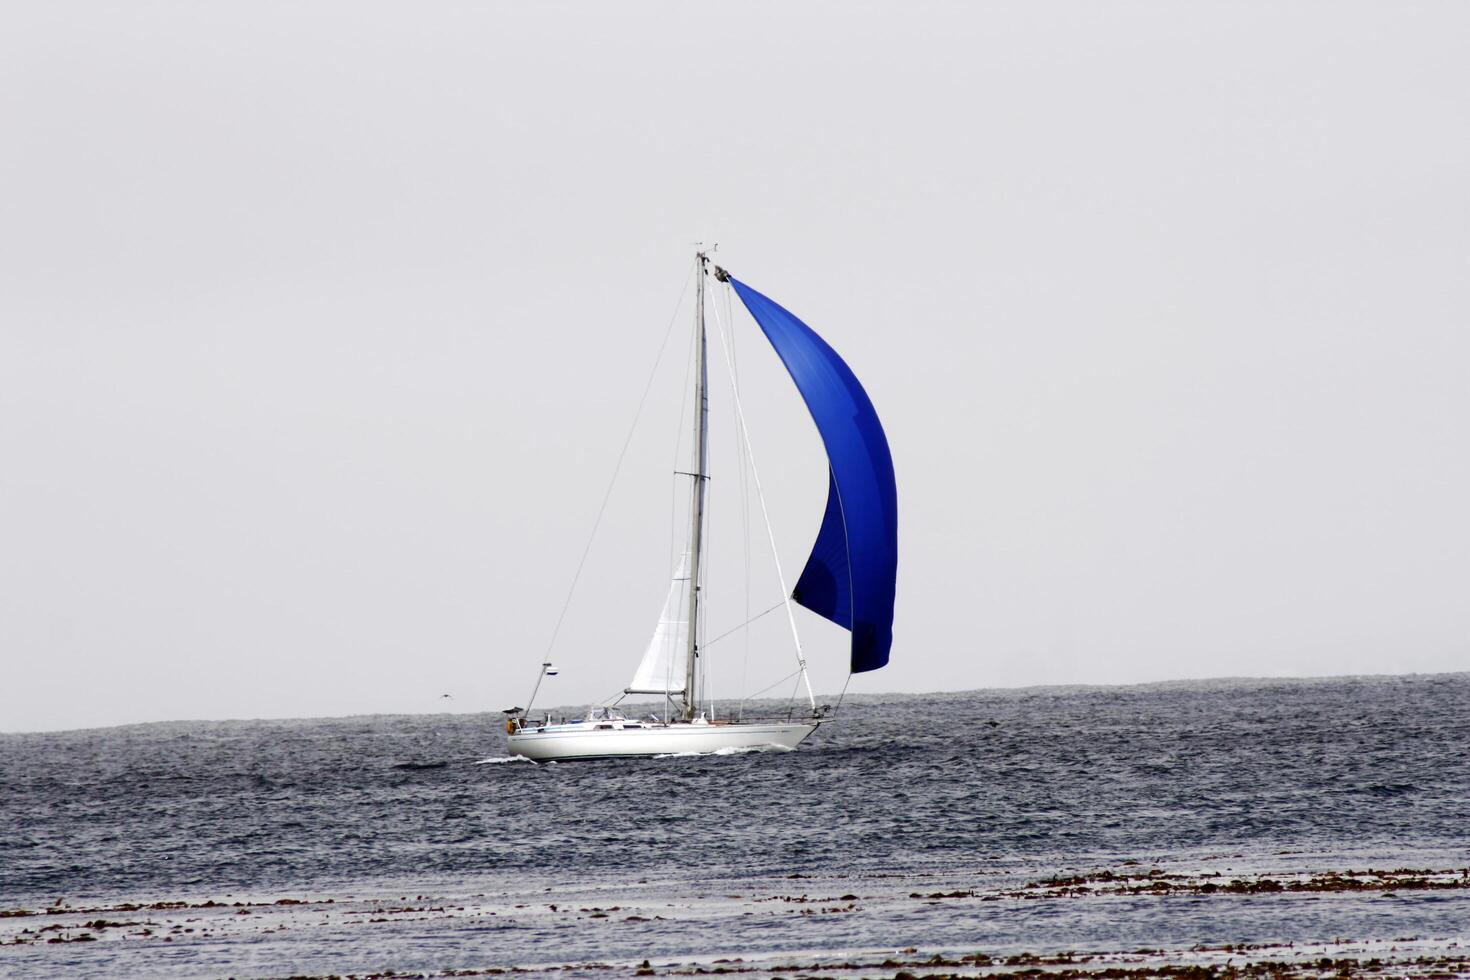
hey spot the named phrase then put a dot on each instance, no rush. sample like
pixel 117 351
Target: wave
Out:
pixel 727 750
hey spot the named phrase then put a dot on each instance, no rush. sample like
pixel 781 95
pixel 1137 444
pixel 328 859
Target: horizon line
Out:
pixel 860 697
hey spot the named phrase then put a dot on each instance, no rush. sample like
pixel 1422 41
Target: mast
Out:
pixel 696 506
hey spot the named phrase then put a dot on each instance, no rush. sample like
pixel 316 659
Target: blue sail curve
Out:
pixel 850 575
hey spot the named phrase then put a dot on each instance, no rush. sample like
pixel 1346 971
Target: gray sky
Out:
pixel 321 326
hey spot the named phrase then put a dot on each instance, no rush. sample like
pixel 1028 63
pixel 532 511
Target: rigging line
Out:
pixel 778 683
pixel 679 441
pixel 706 553
pixel 842 695
pixel 756 476
pixel 744 505
pixel 736 629
pixel 618 466
pixel 791 701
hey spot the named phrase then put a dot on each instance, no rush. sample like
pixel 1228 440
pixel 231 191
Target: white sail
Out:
pixel 662 669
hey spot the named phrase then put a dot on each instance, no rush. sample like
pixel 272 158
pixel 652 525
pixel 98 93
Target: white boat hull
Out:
pixel 564 742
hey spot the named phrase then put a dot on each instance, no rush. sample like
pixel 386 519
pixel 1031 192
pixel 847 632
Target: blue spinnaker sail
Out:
pixel 850 575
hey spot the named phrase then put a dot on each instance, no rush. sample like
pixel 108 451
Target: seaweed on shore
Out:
pixel 1155 882
pixel 1273 964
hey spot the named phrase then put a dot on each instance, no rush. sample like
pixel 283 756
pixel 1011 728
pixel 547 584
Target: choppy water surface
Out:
pixel 854 842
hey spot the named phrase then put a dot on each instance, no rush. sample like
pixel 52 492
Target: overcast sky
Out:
pixel 322 325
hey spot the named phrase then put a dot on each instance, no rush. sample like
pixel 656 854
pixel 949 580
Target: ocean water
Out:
pixel 436 853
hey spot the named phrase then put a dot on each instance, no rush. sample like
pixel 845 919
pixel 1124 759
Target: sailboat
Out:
pixel 848 578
